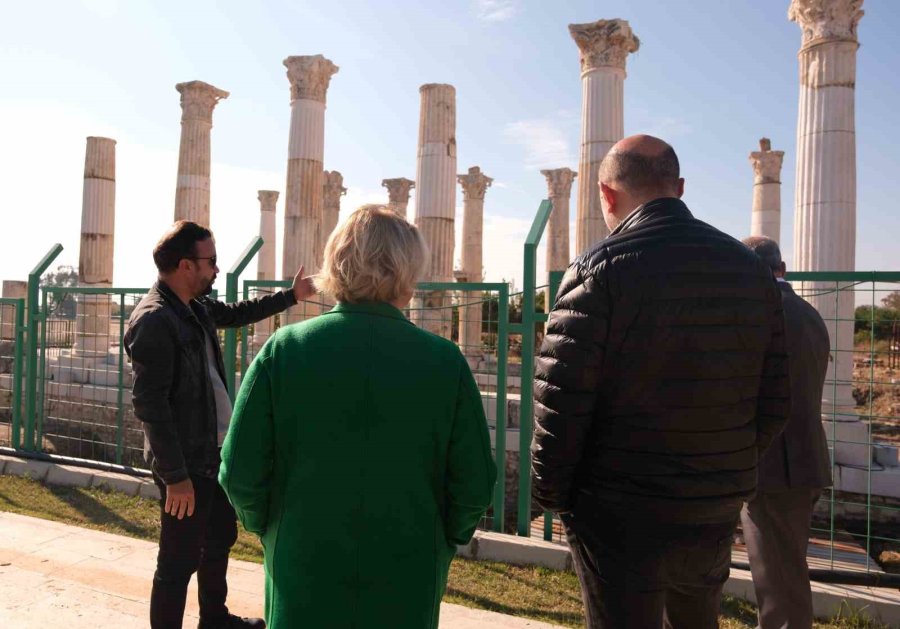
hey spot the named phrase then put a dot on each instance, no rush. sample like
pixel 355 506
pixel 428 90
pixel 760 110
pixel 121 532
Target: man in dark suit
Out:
pixel 794 470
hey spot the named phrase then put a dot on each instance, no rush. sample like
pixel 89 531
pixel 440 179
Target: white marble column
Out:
pixel 825 214
pixel 95 257
pixel 198 99
pixel 474 185
pixel 766 215
pixel 436 196
pixel 265 261
pixel 398 193
pixel 603 47
pixel 559 191
pixel 12 289
pixel 310 77
pixel 332 191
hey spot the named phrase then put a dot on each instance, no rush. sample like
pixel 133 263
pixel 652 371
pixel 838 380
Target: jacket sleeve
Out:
pixel 248 451
pixel 152 351
pixel 250 310
pixel 773 404
pixel 567 377
pixel 471 472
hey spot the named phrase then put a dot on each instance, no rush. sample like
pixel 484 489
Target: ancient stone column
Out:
pixel 398 193
pixel 474 185
pixel 95 257
pixel 603 47
pixel 436 196
pixel 766 216
pixel 332 192
pixel 310 77
pixel 265 261
pixel 12 289
pixel 825 214
pixel 559 190
pixel 198 99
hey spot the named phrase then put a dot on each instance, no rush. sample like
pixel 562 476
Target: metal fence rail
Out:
pixel 68 391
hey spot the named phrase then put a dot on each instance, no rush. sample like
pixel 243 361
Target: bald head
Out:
pixel 641 165
pixel 768 251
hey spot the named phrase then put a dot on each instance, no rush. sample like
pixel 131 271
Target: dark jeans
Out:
pixel 200 544
pixel 641 572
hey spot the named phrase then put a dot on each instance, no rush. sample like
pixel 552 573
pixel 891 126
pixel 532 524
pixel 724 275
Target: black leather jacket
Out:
pixel 172 393
pixel 663 374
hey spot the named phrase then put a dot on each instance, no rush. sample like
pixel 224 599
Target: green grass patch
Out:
pixel 531 592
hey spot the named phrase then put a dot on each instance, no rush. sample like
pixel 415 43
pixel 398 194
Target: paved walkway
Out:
pixel 56 575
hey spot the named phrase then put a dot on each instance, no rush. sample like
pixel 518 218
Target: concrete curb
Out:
pixel 74 476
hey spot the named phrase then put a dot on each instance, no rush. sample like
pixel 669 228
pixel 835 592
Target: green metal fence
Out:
pixel 65 385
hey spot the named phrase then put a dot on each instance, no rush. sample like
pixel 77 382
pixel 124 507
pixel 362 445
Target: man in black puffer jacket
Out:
pixel 662 378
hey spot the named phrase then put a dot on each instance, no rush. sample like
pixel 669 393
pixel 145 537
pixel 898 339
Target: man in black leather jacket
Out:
pixel 179 394
pixel 662 378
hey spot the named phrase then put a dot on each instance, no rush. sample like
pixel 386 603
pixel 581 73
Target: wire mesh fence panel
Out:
pixel 84 377
pixel 11 350
pixel 856 525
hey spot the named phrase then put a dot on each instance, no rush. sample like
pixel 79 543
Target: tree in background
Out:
pixel 61 304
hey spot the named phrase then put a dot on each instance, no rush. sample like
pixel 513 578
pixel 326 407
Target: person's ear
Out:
pixel 609 195
pixel 680 187
pixel 783 268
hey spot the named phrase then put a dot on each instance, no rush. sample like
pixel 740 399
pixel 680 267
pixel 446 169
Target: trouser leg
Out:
pixel 221 534
pixel 612 599
pixel 776 530
pixel 180 543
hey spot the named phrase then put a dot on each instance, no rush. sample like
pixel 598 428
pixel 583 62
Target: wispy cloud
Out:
pixel 495 10
pixel 544 142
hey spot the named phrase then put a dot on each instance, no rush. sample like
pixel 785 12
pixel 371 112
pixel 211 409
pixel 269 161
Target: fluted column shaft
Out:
pixel 198 99
pixel 310 77
pixel 436 194
pixel 265 261
pixel 474 185
pixel 766 212
pixel 95 257
pixel 603 46
pixel 332 191
pixel 825 214
pixel 559 190
pixel 398 193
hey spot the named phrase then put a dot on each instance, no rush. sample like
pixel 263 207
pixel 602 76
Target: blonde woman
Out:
pixel 358 449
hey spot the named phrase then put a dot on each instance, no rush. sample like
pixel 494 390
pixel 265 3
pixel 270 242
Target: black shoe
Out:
pixel 235 622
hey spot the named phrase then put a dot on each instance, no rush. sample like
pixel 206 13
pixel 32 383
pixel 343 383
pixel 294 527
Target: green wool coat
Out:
pixel 359 452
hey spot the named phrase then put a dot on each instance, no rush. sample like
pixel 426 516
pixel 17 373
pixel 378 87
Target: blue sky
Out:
pixel 711 77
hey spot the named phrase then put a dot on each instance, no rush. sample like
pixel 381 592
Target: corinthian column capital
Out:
pixel 825 20
pixel 604 43
pixel 267 200
pixel 766 163
pixel 310 76
pixel 475 183
pixel 333 188
pixel 198 99
pixel 559 181
pixel 398 189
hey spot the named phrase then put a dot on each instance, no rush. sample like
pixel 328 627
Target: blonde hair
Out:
pixel 375 255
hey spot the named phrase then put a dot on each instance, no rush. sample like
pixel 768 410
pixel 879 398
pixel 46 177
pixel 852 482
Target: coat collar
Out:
pixel 665 206
pixel 377 308
pixel 786 288
pixel 184 311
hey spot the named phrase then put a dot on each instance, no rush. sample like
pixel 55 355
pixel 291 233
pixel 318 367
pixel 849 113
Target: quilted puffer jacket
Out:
pixel 663 374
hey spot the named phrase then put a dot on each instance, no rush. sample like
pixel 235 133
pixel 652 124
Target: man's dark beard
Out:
pixel 209 287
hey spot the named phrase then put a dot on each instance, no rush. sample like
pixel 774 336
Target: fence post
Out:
pixel 500 428
pixel 34 314
pixel 526 408
pixel 231 294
